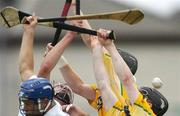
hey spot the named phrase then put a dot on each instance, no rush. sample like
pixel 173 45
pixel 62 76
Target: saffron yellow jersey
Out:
pixel 115 83
pixel 139 108
pixel 97 103
pixel 113 78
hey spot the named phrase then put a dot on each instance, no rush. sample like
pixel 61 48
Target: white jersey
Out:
pixel 56 111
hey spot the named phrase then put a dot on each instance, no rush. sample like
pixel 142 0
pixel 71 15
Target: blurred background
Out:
pixel 155 41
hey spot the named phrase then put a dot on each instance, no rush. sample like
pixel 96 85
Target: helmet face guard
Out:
pixel 158 101
pixel 33 107
pixel 63 93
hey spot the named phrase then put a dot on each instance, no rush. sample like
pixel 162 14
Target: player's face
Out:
pixel 63 89
pixel 30 107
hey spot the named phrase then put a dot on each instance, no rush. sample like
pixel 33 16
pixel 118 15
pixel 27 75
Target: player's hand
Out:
pixel 74 110
pixel 31 23
pixel 73 3
pixel 48 48
pixel 102 36
pixel 66 108
pixel 77 23
pixel 94 41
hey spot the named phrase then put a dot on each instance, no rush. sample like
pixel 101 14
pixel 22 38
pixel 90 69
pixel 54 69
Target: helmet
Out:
pixel 35 96
pixel 158 101
pixel 130 60
pixel 63 93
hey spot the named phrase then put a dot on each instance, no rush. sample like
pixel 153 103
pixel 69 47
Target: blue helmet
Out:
pixel 35 90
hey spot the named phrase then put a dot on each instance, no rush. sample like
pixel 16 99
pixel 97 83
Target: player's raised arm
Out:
pixel 120 66
pixel 74 80
pixel 114 80
pixel 53 55
pixel 101 75
pixel 26 60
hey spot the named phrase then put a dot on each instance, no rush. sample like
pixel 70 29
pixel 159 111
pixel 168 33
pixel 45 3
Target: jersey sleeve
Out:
pixel 96 102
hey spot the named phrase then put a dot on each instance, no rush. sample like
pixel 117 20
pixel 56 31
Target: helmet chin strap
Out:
pixel 48 105
pixel 39 105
